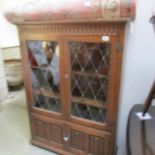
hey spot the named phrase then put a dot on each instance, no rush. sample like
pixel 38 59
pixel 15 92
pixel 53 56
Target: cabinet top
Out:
pixel 51 11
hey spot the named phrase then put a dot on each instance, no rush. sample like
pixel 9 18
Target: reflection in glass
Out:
pixel 47 103
pixel 44 64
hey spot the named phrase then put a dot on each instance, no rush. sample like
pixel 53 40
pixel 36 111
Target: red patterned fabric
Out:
pixel 46 10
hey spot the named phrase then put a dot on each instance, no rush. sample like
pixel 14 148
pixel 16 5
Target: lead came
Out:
pixel 85 60
pixel 44 67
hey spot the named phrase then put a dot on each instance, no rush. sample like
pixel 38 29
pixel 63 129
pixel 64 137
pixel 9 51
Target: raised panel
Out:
pixel 78 140
pixel 88 141
pixel 47 130
pixel 97 145
pixel 41 129
pixel 56 134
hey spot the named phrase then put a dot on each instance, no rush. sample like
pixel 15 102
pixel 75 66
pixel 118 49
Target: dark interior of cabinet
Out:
pixel 89 68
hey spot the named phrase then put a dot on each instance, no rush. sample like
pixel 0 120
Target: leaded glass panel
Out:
pixel 45 76
pixel 89 79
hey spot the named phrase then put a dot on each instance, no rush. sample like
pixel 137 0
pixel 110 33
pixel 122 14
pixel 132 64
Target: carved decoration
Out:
pixel 97 145
pixel 73 29
pixel 70 10
pixel 78 140
pixel 41 129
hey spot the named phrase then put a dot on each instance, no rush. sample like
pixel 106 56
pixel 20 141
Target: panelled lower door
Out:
pixel 88 141
pixel 47 132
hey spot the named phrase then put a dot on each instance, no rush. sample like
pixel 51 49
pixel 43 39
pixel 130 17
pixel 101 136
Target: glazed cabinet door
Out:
pixel 43 61
pixel 91 79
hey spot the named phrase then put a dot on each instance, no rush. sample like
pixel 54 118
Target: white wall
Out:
pixel 8 32
pixel 138 66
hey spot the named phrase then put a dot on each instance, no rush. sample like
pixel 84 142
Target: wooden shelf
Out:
pixel 78 100
pixel 46 93
pixel 89 102
pixel 89 74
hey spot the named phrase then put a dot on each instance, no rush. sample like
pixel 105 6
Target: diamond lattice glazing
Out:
pixel 44 65
pixel 89 72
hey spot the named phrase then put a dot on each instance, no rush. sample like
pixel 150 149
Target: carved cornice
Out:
pixel 72 29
